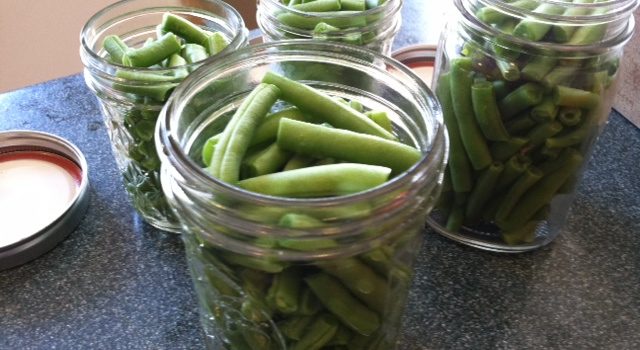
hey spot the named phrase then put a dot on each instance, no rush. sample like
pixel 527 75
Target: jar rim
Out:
pixel 178 158
pixel 100 63
pixel 471 20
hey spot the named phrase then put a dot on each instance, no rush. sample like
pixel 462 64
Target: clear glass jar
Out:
pixel 129 106
pixel 374 28
pixel 526 88
pixel 238 248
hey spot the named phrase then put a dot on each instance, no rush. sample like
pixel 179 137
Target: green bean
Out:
pixel 525 96
pixel 194 53
pixel 538 67
pixel 534 29
pixel 183 28
pixel 143 77
pixel 520 123
pixel 115 47
pixel 319 142
pixel 177 61
pixel 516 191
pixel 158 92
pixel 459 166
pixel 356 105
pixel 500 88
pixel 491 15
pixel 562 34
pixel 319 6
pixel 322 106
pixel 215 43
pixel 318 181
pixel 374 3
pixel 522 234
pixel 337 299
pixel 460 86
pixel 501 151
pixel 293 327
pixel 487 113
pixel 260 264
pixel 308 22
pixel 318 333
pixel 353 5
pixel 585 35
pixel 513 168
pixel 301 221
pixel 570 116
pixel 508 69
pixel 284 291
pixel 298 161
pixel 268 128
pixel 321 30
pixel 559 75
pixel 553 165
pixel 539 134
pixel 360 279
pixel 571 138
pixel 308 303
pixel 456 218
pixel 207 149
pixel 235 139
pixel 381 118
pixel 545 111
pixel 541 193
pixel 342 336
pixel 572 97
pixel 153 53
pixel 383 263
pixel 268 161
pixel 482 191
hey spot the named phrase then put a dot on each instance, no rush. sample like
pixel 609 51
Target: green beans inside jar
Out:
pixel 369 23
pixel 135 52
pixel 526 87
pixel 302 196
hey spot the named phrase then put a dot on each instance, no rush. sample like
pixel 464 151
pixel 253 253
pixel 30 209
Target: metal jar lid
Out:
pixel 30 161
pixel 419 58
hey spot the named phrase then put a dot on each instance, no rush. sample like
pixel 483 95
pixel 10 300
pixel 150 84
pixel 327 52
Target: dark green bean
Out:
pixel 482 191
pixel 487 113
pixel 318 333
pixel 525 96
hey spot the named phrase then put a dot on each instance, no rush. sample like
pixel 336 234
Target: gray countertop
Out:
pixel 117 283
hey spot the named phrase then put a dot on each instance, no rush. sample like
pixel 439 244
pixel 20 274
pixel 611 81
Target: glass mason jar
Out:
pixel 374 28
pixel 130 105
pixel 271 270
pixel 526 87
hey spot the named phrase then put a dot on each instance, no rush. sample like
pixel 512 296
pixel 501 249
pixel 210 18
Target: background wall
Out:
pixel 39 39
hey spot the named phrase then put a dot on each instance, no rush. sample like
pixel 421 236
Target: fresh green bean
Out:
pixel 461 78
pixel 183 28
pixel 501 151
pixel 520 123
pixel 284 291
pixel 487 113
pixel 513 168
pixel 456 218
pixel 381 118
pixel 293 327
pixel 153 53
pixel 298 161
pixel 268 128
pixel 539 134
pixel 522 234
pixel 353 5
pixel 309 303
pixel 500 88
pixel 115 47
pixel 524 182
pixel 268 161
pixel 310 22
pixel 541 193
pixel 194 53
pixel 337 299
pixel 589 34
pixel 318 181
pixel 533 29
pixel 319 6
pixel 458 165
pixel 570 116
pixel 235 139
pixel 324 107
pixel 215 43
pixel 482 191
pixel 260 264
pixel 319 142
pixel 560 75
pixel 525 96
pixel 538 67
pixel 564 33
pixel 319 332
pixel 545 111
pixel 572 97
pixel 492 15
pixel 208 147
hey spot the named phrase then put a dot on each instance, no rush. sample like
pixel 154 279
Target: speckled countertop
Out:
pixel 117 283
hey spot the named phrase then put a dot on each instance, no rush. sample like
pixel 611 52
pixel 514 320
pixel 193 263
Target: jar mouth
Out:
pixel 101 21
pixel 622 10
pixel 172 149
pixel 389 9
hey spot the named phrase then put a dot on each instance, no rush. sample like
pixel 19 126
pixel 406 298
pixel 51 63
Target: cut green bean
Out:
pixel 215 43
pixel 539 134
pixel 337 299
pixel 319 181
pixel 298 161
pixel 320 142
pixel 268 161
pixel 487 113
pixel 293 327
pixel 260 264
pixel 153 53
pixel 590 34
pixel 381 118
pixel 482 191
pixel 560 75
pixel 268 128
pixel 115 47
pixel 353 5
pixel 533 29
pixel 538 67
pixel 331 18
pixel 193 53
pixel 319 6
pixel 461 79
pixel 545 111
pixel 284 291
pixel 520 123
pixel 501 151
pixel 183 28
pixel 564 33
pixel 570 116
pixel 324 107
pixel 513 168
pixel 208 147
pixel 572 97
pixel 524 182
pixel 318 333
pixel 525 96
pixel 236 137
pixel 458 165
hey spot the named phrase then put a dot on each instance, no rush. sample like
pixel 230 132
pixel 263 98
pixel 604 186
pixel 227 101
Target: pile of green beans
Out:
pixel 288 139
pixel 519 122
pixel 331 22
pixel 168 57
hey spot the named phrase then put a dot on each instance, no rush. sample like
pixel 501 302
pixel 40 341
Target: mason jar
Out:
pixel 271 270
pixel 526 87
pixel 130 104
pixel 374 28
